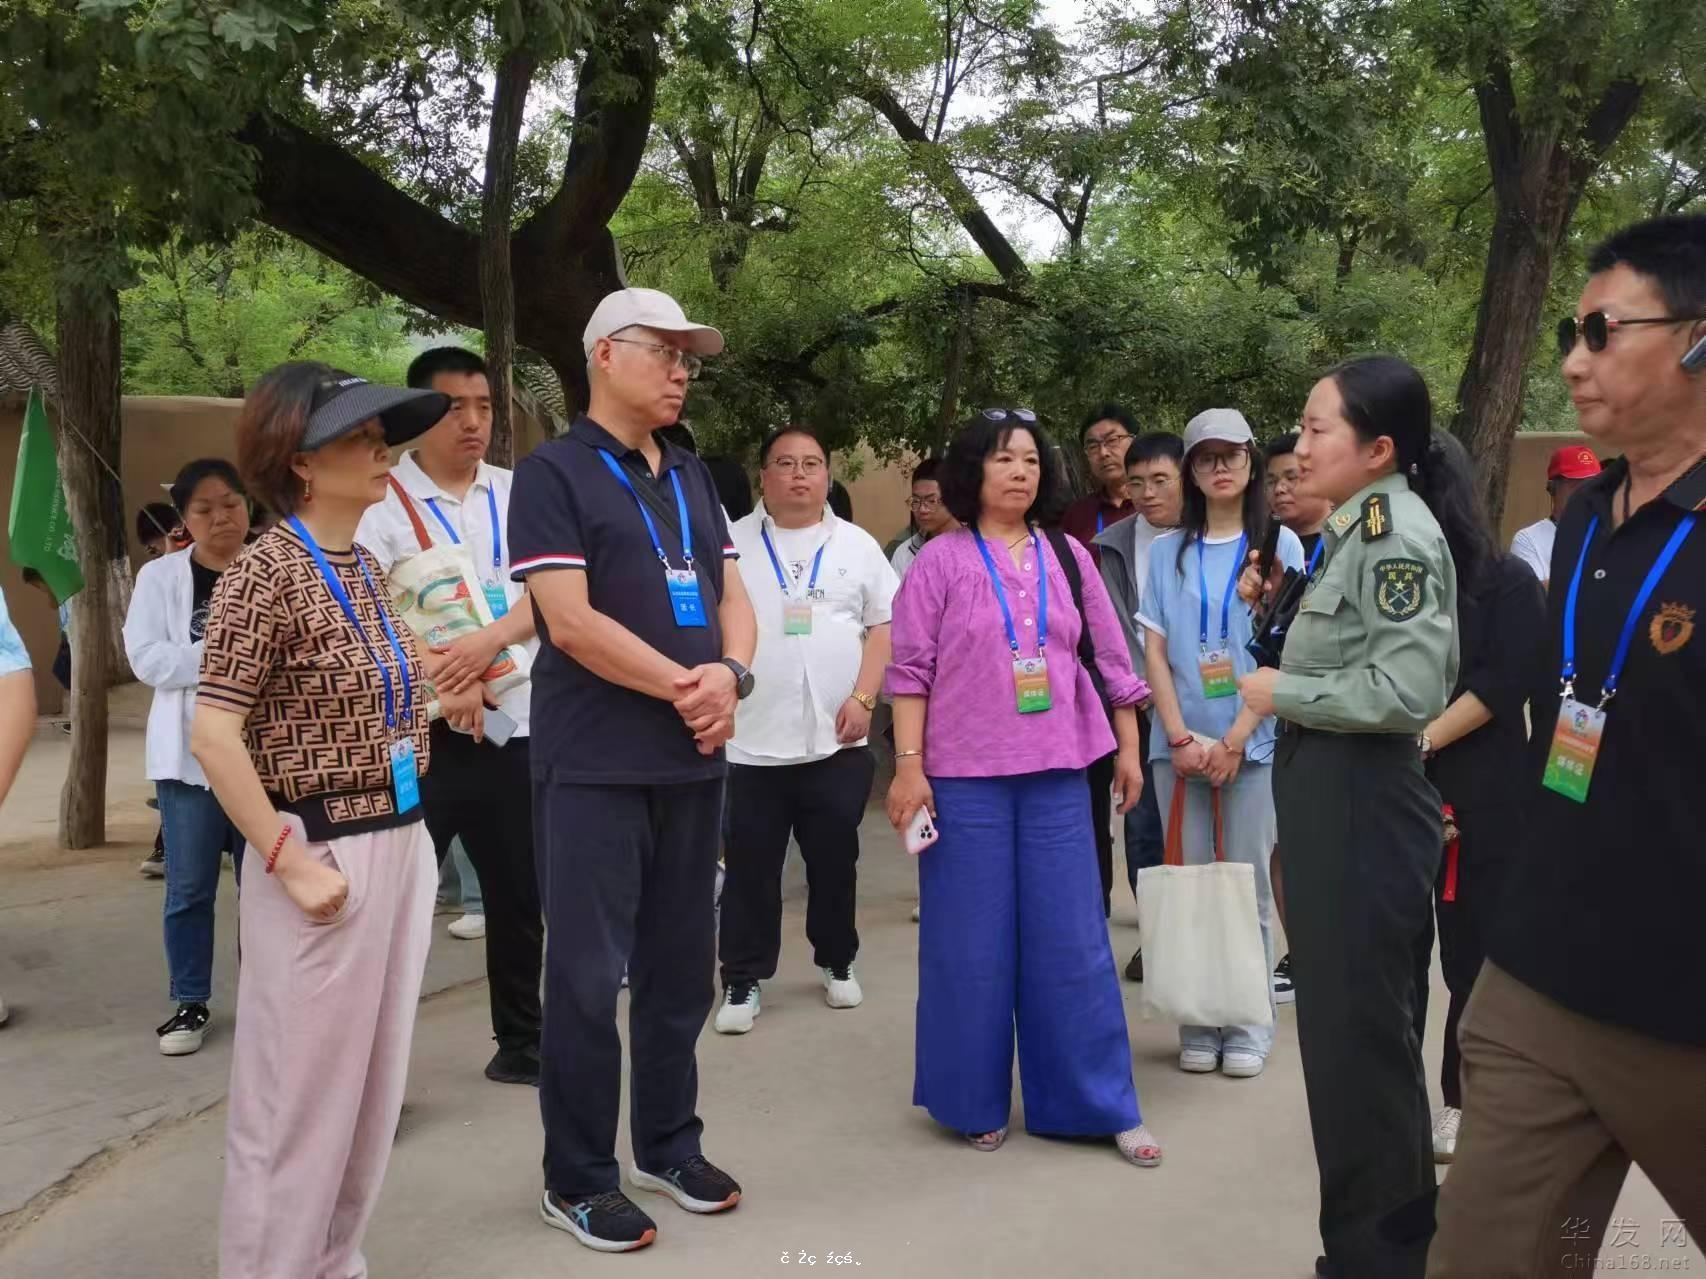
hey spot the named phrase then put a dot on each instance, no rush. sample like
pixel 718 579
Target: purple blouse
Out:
pixel 950 646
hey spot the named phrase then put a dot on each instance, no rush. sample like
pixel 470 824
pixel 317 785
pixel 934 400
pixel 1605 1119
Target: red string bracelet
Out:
pixel 277 848
pixel 1186 740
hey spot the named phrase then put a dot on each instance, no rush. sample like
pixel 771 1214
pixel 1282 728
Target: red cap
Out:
pixel 1572 462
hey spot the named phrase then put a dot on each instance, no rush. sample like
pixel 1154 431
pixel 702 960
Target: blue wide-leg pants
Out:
pixel 1011 933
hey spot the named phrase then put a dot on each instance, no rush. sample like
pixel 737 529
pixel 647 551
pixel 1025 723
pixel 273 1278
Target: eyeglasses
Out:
pixel 673 356
pixel 1209 463
pixel 924 503
pixel 1288 480
pixel 1597 327
pixel 1015 415
pixel 1107 444
pixel 804 465
pixel 1154 484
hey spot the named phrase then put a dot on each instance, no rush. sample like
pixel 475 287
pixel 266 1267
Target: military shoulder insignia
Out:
pixel 1376 517
pixel 1398 588
pixel 1671 628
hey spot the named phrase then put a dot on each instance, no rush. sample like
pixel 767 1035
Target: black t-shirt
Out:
pixel 568 512
pixel 1603 911
pixel 1310 542
pixel 202 582
pixel 1502 636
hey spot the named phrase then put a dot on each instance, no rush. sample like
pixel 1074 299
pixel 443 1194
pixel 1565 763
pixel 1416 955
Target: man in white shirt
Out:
pixel 1569 468
pixel 928 515
pixel 799 765
pixel 481 791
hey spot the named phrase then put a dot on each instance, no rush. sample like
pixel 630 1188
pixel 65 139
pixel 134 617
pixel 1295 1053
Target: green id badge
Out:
pixel 1575 747
pixel 1218 679
pixel 797 617
pixel 1030 683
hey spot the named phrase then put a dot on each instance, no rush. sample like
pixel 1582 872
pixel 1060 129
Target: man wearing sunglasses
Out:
pixel 1569 468
pixel 1584 1043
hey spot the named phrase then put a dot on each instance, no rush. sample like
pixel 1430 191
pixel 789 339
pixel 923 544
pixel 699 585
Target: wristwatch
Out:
pixel 867 700
pixel 743 678
pixel 1426 743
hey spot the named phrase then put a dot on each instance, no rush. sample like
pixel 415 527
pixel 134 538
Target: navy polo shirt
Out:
pixel 567 512
pixel 1602 912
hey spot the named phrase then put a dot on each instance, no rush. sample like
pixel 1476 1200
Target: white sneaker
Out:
pixel 3 1013
pixel 841 988
pixel 739 1008
pixel 1241 1065
pixel 1446 1124
pixel 915 914
pixel 1198 1061
pixel 468 928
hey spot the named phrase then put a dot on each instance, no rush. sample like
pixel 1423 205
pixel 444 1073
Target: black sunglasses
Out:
pixel 1014 415
pixel 1597 327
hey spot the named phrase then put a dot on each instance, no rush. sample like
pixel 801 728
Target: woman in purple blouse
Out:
pixel 995 721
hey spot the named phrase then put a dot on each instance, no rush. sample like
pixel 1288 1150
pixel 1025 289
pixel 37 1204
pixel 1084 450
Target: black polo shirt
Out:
pixel 1605 906
pixel 568 512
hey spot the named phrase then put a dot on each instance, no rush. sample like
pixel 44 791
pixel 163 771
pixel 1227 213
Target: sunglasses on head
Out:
pixel 1597 327
pixel 1010 415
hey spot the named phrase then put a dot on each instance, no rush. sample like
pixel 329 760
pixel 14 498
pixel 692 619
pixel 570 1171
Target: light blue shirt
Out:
pixel 1172 606
pixel 13 657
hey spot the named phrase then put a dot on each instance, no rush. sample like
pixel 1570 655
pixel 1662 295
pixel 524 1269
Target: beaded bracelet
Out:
pixel 277 848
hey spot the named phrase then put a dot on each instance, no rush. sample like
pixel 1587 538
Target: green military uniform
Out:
pixel 1370 660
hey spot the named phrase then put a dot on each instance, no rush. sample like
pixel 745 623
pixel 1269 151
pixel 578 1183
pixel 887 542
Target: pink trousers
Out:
pixel 325 1014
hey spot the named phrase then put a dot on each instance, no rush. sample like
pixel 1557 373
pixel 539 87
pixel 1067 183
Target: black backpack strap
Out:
pixel 1074 579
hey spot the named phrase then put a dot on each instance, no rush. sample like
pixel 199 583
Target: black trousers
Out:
pixel 1361 829
pixel 1101 775
pixel 483 792
pixel 1485 848
pixel 820 804
pixel 629 874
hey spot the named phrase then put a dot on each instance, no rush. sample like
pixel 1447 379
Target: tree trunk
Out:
pixel 949 411
pixel 88 434
pixel 497 285
pixel 1490 395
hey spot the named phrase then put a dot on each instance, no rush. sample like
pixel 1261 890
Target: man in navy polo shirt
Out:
pixel 624 550
pixel 1584 1043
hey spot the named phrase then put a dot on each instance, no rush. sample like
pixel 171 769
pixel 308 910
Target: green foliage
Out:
pixel 210 320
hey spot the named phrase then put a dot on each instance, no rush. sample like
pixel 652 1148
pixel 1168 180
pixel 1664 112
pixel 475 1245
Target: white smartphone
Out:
pixel 922 833
pixel 499 728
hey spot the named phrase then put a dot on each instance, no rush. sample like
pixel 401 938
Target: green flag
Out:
pixel 40 526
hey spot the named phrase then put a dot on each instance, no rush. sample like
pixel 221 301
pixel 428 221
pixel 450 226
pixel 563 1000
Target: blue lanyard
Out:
pixel 342 597
pixel 1001 592
pixel 680 507
pixel 1226 599
pixel 776 564
pixel 1099 521
pixel 497 529
pixel 1315 555
pixel 1660 565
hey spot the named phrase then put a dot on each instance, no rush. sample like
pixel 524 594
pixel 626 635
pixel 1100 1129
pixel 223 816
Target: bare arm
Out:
pixel 216 741
pixel 740 626
pixel 17 722
pixel 1160 676
pixel 605 647
pixel 878 647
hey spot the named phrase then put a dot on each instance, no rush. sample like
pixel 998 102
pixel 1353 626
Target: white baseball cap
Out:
pixel 651 309
pixel 1227 425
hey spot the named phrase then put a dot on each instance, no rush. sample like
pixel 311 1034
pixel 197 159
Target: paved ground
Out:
pixel 811 1111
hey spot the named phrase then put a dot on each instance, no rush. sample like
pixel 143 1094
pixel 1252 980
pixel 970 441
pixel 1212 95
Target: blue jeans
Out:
pixel 1145 841
pixel 457 876
pixel 196 832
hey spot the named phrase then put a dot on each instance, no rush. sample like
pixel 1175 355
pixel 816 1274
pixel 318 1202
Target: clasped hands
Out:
pixel 705 699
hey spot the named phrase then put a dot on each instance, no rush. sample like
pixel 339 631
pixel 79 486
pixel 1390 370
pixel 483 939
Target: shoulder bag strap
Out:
pixel 421 534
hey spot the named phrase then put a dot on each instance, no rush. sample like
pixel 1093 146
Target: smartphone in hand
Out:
pixel 921 833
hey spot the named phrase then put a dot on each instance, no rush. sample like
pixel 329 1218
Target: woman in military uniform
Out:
pixel 1369 662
